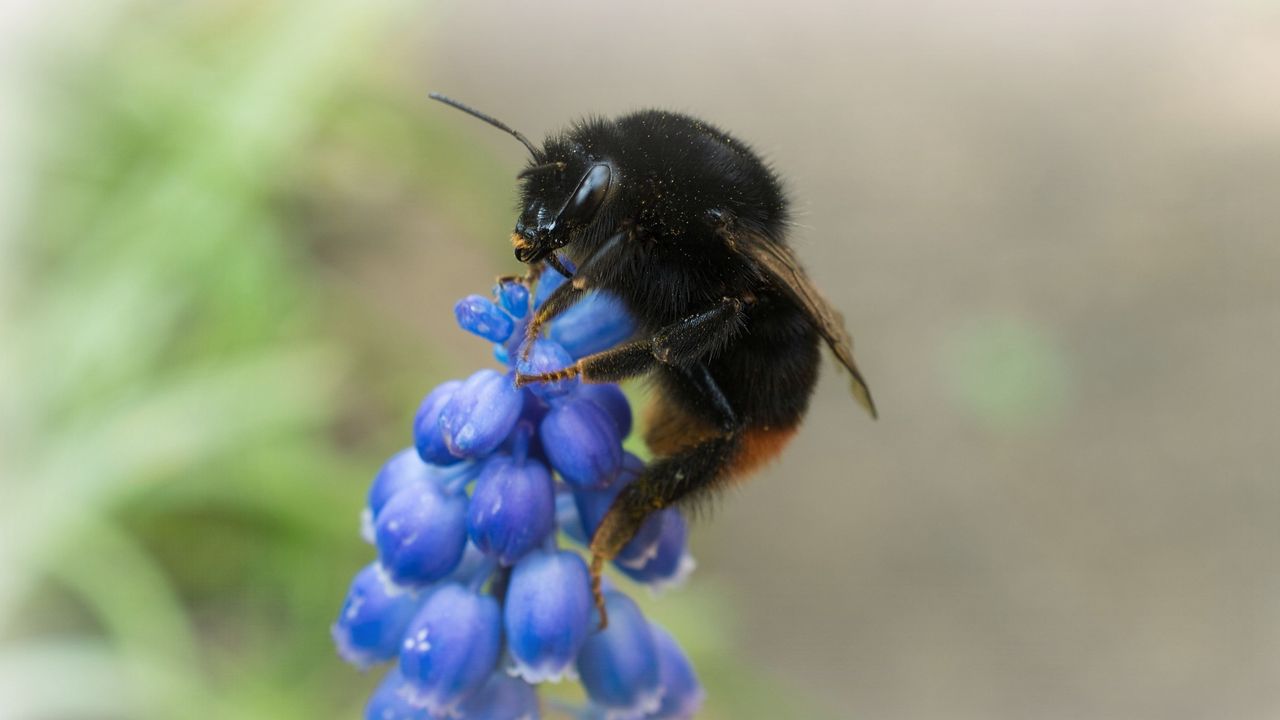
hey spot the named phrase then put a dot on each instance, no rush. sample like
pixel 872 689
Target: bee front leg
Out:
pixel 569 293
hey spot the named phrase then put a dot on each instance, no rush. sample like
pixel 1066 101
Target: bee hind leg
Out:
pixel 685 476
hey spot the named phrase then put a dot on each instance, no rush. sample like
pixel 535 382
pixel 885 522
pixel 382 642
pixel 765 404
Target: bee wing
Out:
pixel 779 266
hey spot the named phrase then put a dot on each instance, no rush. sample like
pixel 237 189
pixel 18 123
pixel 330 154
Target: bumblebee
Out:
pixel 687 226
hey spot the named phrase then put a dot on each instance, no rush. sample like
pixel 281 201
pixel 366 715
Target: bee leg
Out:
pixel 678 344
pixel 569 293
pixel 682 477
pixel 554 261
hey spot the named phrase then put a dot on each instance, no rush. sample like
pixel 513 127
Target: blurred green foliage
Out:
pixel 191 406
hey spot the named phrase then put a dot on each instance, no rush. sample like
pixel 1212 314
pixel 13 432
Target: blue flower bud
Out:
pixel 548 281
pixel 479 315
pixel 611 398
pixel 389 701
pixel 502 697
pixel 450 648
pixel 372 620
pixel 473 563
pixel 512 508
pixel 582 443
pixel 546 356
pixel 598 322
pixel 404 468
pixel 513 296
pixel 619 666
pixel 669 562
pixel 481 414
pixel 594 504
pixel 453 479
pixel 682 694
pixel 420 534
pixel 427 435
pixel 567 518
pixel 548 614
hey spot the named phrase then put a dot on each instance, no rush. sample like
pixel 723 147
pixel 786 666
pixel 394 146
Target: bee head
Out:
pixel 560 198
pixel 557 208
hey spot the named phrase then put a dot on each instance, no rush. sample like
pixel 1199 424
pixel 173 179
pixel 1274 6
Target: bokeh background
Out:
pixel 231 234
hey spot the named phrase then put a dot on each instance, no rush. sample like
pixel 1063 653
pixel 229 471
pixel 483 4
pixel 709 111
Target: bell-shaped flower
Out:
pixel 546 356
pixel 372 619
pixel 548 281
pixel 597 322
pixel 450 648
pixel 390 701
pixel 512 508
pixel 682 694
pixel 611 398
pixel 548 614
pixel 513 296
pixel 404 469
pixel 567 518
pixel 473 563
pixel 481 316
pixel 480 415
pixel 582 443
pixel 502 697
pixel 420 534
pixel 428 437
pixel 594 504
pixel 619 665
pixel 669 563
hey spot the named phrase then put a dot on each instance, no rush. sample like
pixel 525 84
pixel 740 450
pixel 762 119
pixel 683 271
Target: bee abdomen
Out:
pixel 670 430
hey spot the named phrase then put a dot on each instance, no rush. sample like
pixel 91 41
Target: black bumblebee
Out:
pixel 686 225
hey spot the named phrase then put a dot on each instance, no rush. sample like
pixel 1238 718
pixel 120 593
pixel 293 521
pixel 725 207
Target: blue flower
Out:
pixel 668 563
pixel 480 415
pixel 465 528
pixel 514 297
pixel 428 437
pixel 512 508
pixel 592 325
pixel 619 665
pixel 613 401
pixel 547 615
pixel 502 697
pixel 593 504
pixel 582 442
pixel 481 316
pixel 404 468
pixel 450 648
pixel 682 694
pixel 372 619
pixel 390 701
pixel 546 356
pixel 548 282
pixel 420 534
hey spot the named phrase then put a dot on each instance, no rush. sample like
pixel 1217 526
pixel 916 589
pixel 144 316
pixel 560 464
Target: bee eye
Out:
pixel 588 196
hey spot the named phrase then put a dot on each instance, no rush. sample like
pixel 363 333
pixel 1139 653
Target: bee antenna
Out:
pixel 489 119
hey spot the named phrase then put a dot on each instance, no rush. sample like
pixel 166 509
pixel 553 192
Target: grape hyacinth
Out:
pixel 471 599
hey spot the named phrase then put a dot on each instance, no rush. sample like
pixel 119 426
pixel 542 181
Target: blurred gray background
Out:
pixel 1054 229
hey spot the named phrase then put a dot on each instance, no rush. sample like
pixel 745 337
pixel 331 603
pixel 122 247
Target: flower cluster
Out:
pixel 471 593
